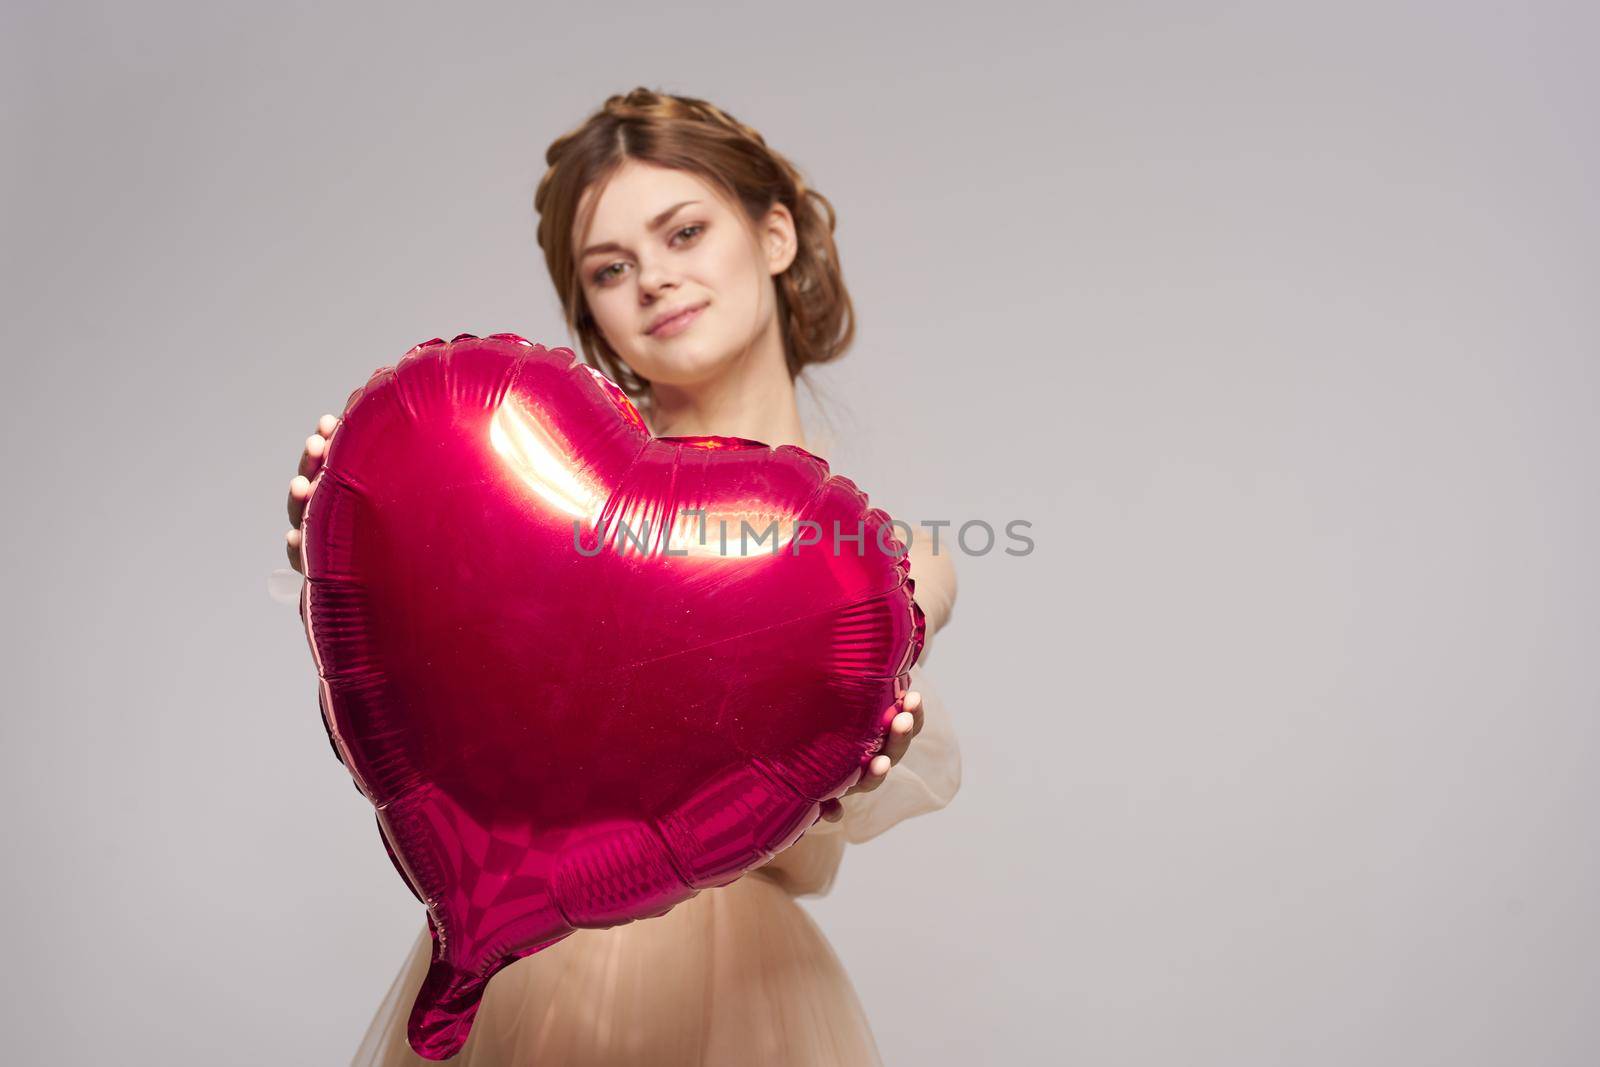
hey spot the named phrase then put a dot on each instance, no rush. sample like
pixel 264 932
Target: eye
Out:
pixel 604 275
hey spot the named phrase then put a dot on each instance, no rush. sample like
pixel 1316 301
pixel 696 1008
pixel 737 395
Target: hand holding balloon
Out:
pixel 902 729
pixel 300 484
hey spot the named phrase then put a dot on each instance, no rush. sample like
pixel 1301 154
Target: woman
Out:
pixel 699 272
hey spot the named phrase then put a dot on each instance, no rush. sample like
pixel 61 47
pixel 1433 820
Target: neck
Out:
pixel 755 398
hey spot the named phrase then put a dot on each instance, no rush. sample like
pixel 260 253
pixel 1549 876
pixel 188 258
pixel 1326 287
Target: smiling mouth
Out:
pixel 681 319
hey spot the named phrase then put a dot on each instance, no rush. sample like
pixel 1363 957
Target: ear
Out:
pixel 778 240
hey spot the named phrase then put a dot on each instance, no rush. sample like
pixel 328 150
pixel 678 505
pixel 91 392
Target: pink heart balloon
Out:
pixel 573 695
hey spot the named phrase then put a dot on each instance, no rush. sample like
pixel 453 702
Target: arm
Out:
pixel 935 578
pixel 926 783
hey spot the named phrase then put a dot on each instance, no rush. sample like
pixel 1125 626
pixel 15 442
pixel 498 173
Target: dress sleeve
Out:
pixel 925 780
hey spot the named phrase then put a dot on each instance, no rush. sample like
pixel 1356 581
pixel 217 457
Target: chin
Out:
pixel 683 369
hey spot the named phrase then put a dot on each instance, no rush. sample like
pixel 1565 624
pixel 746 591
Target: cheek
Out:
pixel 734 275
pixel 609 308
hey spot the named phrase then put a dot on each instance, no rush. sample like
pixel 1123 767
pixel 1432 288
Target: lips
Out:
pixel 676 321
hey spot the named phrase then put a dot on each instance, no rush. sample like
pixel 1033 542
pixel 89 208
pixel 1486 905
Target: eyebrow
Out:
pixel 655 223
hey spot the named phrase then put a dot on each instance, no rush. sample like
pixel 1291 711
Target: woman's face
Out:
pixel 662 241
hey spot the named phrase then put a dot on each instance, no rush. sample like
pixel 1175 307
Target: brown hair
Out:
pixel 814 309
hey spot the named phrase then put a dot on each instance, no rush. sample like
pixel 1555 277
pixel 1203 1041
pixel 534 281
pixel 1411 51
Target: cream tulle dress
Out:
pixel 736 976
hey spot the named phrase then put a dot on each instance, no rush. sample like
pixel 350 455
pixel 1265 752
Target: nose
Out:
pixel 655 279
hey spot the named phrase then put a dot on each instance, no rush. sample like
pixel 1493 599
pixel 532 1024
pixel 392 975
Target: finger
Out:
pixel 903 727
pixel 832 811
pixel 899 737
pixel 917 707
pixel 911 706
pixel 291 541
pixel 299 493
pixel 311 458
pixel 873 775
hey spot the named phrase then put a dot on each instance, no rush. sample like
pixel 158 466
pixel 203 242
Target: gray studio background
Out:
pixel 1276 321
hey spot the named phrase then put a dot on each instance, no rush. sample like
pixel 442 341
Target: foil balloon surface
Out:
pixel 581 672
